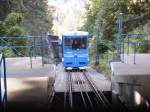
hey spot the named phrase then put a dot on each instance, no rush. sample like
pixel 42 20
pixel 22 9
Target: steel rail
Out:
pixel 70 90
pixel 103 96
pixel 88 97
pixel 65 93
pixel 51 92
pixel 81 91
pixel 105 99
pixel 99 94
pixel 92 87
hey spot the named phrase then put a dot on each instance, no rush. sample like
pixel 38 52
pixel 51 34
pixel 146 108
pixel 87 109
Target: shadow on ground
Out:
pixel 28 94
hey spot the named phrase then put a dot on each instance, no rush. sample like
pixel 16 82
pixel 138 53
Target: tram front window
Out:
pixel 75 43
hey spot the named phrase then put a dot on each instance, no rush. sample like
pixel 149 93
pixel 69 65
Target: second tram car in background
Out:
pixel 75 50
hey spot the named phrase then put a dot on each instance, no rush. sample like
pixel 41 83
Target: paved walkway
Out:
pixel 21 67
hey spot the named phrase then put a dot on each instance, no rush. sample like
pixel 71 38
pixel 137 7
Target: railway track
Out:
pixel 98 93
pixel 80 94
pixel 70 89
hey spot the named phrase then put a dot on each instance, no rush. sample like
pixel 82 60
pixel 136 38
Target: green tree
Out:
pixel 36 17
pixel 12 27
pixel 12 24
pixel 103 14
pixel 21 17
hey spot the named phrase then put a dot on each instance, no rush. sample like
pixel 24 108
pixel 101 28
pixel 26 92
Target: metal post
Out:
pixel 5 85
pixel 30 55
pixel 123 51
pixel 119 36
pixel 42 51
pixel 128 46
pixel 120 32
pixel 97 42
pixel 134 52
pixel 34 47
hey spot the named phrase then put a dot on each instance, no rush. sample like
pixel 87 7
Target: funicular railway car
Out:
pixel 75 50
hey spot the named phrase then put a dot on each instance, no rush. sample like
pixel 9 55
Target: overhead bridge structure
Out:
pixel 34 80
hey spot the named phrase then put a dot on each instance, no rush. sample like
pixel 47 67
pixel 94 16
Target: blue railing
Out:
pixel 3 83
pixel 36 46
pixel 121 40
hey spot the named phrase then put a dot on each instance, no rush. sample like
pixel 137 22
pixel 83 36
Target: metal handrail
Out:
pixel 30 47
pixel 121 39
pixel 23 37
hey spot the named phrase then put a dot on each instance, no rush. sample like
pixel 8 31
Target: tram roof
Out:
pixel 75 33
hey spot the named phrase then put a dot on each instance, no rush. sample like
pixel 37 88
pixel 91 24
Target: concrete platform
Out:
pixel 27 88
pixel 128 68
pixel 101 82
pixel 130 80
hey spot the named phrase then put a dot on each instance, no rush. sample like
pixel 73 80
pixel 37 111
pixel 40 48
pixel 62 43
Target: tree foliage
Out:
pixel 23 17
pixel 12 27
pixel 35 15
pixel 103 14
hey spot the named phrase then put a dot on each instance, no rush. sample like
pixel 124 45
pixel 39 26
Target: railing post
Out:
pixel 119 35
pixel 30 55
pixel 128 46
pixel 134 52
pixel 123 51
pixel 5 84
pixel 42 51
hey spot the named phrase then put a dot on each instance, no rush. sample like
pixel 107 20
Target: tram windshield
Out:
pixel 75 43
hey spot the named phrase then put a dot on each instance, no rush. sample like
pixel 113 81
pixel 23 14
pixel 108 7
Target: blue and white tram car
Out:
pixel 75 50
